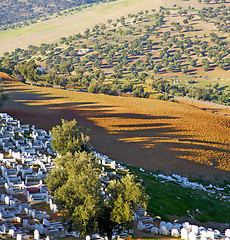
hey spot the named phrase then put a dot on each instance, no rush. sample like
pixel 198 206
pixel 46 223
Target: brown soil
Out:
pixel 146 133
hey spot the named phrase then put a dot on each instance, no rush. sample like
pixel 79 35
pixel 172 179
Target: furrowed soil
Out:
pixel 189 139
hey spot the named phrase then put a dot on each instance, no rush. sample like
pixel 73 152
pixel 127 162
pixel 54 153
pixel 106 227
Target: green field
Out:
pixel 172 202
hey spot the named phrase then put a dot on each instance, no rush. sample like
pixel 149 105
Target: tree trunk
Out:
pixel 109 234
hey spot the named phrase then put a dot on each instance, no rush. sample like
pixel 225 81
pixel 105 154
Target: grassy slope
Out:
pixel 53 29
pixel 171 201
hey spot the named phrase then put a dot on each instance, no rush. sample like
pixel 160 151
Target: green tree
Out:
pixel 118 210
pixel 205 64
pixel 69 137
pixel 50 78
pixel 184 69
pixel 185 21
pixel 87 33
pixel 156 70
pixel 127 87
pixel 28 70
pixel 66 68
pixel 94 87
pixel 63 81
pixel 192 63
pixel 76 187
pixel 140 92
pixel 7 65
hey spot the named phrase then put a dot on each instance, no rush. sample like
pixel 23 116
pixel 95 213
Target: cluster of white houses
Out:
pixel 25 160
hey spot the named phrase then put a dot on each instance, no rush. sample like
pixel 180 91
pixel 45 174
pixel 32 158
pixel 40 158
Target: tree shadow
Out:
pixel 227 68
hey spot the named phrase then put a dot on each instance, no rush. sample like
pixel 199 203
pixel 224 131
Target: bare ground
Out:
pixel 142 132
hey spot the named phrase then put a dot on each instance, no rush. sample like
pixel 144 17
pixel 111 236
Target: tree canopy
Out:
pixel 124 196
pixel 69 137
pixel 90 206
pixel 76 188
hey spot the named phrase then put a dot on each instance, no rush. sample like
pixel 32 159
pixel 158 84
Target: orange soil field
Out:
pixel 185 138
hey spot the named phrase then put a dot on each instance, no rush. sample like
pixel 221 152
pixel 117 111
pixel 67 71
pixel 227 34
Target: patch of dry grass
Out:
pixel 5 76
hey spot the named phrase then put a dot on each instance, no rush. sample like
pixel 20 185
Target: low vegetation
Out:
pixel 171 201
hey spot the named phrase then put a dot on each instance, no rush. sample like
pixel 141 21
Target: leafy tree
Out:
pixel 94 88
pixel 192 63
pixel 50 78
pixel 69 137
pixel 28 70
pixel 156 70
pixel 99 75
pixel 87 33
pixel 63 81
pixel 184 69
pixel 205 64
pixel 7 65
pixel 99 87
pixel 124 196
pixel 127 87
pixel 75 184
pixel 170 67
pixel 66 68
pixel 118 74
pixel 139 92
pixel 76 187
pixel 142 77
pixel 185 21
pixel 179 28
pixel 74 81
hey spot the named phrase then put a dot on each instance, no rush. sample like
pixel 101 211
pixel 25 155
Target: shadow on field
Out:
pixel 146 141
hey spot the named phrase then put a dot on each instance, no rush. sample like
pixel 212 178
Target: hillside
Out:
pixel 69 23
pixel 110 66
pixel 148 133
pixel 178 51
pixel 18 13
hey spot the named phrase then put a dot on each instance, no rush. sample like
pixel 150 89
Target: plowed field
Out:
pixel 179 137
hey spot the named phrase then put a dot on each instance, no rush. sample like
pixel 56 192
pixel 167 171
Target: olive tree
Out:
pixel 69 137
pixel 76 186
